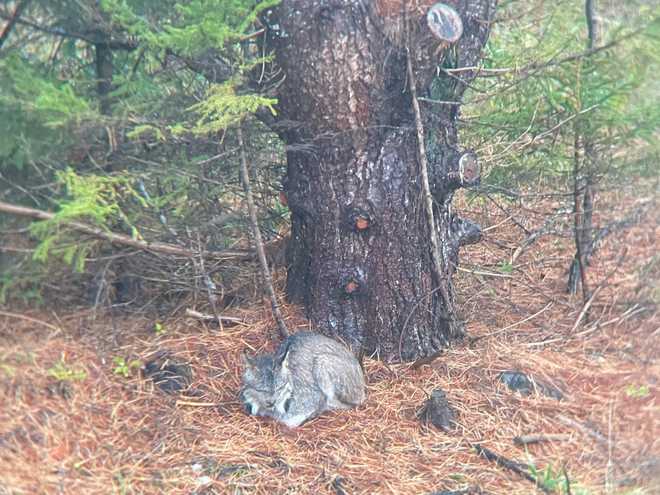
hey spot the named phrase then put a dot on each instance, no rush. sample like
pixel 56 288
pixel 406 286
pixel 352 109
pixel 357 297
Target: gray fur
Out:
pixel 307 375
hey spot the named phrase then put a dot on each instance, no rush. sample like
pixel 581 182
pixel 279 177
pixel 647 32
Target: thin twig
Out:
pixel 513 325
pixel 540 437
pixel 426 188
pixel 254 223
pixel 486 274
pixel 12 21
pixel 195 404
pixel 202 316
pixel 30 319
pixel 609 473
pixel 585 309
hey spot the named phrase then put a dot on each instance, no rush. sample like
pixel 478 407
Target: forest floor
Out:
pixel 74 420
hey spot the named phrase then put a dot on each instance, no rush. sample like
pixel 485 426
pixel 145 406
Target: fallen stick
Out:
pixel 30 319
pixel 538 438
pixel 114 238
pixel 195 404
pixel 508 464
pixel 203 316
pixel 593 433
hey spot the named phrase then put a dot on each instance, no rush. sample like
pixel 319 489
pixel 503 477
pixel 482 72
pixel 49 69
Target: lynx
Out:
pixel 307 375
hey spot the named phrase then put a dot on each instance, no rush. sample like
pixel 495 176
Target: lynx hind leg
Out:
pixel 337 391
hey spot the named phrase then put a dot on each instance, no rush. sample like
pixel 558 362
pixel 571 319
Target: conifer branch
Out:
pixel 114 238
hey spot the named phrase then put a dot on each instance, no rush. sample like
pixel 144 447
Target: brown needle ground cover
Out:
pixel 97 431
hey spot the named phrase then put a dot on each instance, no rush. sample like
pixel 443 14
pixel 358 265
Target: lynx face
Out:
pixel 257 391
pixel 266 387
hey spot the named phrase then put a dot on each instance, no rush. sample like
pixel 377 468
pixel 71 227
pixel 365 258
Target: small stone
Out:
pixel 204 480
pixel 526 385
pixel 170 376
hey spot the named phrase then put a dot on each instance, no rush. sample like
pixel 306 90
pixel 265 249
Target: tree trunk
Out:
pixel 584 177
pixel 360 255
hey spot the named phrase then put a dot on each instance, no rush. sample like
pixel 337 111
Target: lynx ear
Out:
pixel 280 359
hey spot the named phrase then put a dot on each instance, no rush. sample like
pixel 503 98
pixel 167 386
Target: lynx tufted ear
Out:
pixel 281 358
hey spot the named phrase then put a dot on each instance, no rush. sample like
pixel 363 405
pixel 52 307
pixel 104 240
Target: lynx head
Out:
pixel 267 387
pixel 257 390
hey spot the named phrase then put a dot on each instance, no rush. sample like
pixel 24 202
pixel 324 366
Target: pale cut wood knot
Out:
pixel 444 22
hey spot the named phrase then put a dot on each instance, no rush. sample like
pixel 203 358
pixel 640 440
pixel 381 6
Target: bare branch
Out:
pixel 114 238
pixel 261 254
pixel 426 188
pixel 95 38
pixel 12 21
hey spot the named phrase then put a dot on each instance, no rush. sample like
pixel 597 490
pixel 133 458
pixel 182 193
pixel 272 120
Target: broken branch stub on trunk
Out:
pixel 360 256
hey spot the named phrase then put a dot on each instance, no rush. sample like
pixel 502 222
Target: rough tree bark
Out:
pixel 360 255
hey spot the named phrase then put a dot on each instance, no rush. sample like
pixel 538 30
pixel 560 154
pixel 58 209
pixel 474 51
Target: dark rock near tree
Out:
pixel 438 412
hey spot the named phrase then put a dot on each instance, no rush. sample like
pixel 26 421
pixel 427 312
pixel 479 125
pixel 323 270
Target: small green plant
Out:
pixel 506 267
pixel 553 480
pixel 64 372
pixel 8 370
pixel 637 391
pixel 159 328
pixel 123 368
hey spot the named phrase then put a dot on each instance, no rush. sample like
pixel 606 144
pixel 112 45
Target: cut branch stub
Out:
pixel 444 22
pixel 465 232
pixel 469 169
pixel 351 287
pixel 465 171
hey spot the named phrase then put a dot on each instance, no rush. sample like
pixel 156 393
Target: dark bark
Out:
pixel 592 23
pixel 104 70
pixel 360 255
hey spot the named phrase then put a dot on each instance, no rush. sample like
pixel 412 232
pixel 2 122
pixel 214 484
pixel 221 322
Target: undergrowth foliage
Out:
pixel 540 82
pixel 95 199
pixel 140 141
pixel 160 165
